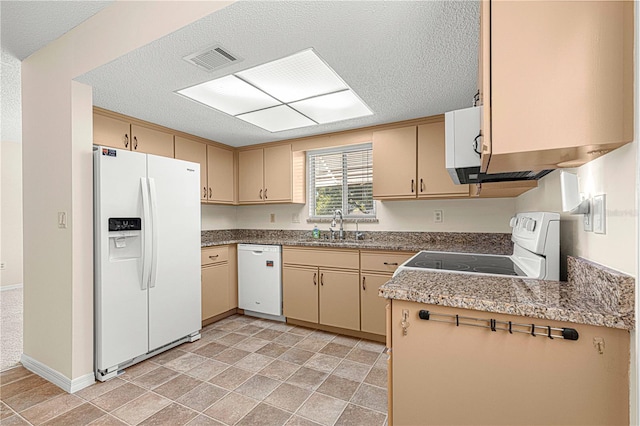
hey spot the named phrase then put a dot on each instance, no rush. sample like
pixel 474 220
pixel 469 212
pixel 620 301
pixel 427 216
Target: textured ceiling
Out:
pixel 405 59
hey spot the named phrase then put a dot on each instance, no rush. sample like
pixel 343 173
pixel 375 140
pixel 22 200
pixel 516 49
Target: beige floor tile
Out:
pixel 268 334
pixel 177 387
pixel 323 335
pixel 5 411
pixel 212 333
pixel 81 415
pixel 231 339
pixel 117 397
pixel 311 343
pixel 377 377
pixel 359 416
pixel 107 420
pixel 231 355
pixel 346 340
pixel 338 387
pixel 228 325
pixel 301 331
pixel 141 408
pixel 307 378
pixel 210 350
pixel 202 397
pixel 288 397
pixel 322 409
pixel 371 397
pixel 137 370
pixel 352 370
pixel 261 322
pixel 19 386
pixel 335 349
pixel 382 361
pixel 296 356
pixel 173 414
pixel 186 362
pixel 252 344
pixel 362 356
pixel 167 356
pixel 30 397
pixel 369 345
pixel 279 370
pixel 249 330
pixel 323 362
pixel 99 388
pixel 265 415
pixel 231 408
pixel 254 362
pixel 281 326
pixel 273 350
pixel 14 420
pixel 54 407
pixel 257 387
pixel 203 420
pixel 13 374
pixel 230 378
pixel 155 378
pixel 207 369
pixel 301 421
pixel 288 339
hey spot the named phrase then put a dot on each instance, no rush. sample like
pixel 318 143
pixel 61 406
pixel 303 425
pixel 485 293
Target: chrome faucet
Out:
pixel 333 223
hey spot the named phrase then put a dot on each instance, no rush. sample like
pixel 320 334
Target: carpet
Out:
pixel 10 328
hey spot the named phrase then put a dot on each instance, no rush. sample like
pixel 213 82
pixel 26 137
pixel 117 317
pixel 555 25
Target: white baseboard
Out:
pixel 56 377
pixel 10 287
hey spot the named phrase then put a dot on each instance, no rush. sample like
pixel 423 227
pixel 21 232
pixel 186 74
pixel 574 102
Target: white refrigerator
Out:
pixel 146 256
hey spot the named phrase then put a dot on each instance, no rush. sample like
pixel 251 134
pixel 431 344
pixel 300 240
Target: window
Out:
pixel 341 178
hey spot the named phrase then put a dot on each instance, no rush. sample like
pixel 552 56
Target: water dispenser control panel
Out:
pixel 125 224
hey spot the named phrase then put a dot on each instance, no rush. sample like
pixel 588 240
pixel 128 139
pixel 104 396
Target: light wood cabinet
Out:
pixel 216 169
pixel 409 163
pixel 109 131
pixel 219 281
pixel 566 97
pixel 151 141
pixel 266 175
pixel 339 299
pixel 300 293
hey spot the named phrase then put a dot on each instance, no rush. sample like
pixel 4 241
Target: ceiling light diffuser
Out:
pixel 229 94
pixel 333 107
pixel 277 119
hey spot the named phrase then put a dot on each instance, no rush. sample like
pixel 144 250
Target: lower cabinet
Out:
pixel 300 293
pixel 339 299
pixel 219 281
pixel 372 306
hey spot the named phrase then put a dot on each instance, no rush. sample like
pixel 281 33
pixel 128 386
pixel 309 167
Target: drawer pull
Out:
pixel 412 186
pixel 314 279
pixel 391 263
pixel 214 257
pixel 260 194
pixel 135 143
pixel 205 192
pixel 126 140
pixel 265 193
pixel 210 196
pixel 364 286
pixel 321 279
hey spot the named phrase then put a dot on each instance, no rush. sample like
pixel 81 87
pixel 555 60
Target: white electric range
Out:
pixel 536 252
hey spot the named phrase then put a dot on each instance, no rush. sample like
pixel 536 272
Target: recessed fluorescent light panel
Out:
pixel 297 91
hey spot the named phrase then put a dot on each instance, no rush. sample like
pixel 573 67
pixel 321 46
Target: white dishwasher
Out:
pixel 260 280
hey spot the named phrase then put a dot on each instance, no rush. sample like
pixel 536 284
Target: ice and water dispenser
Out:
pixel 125 238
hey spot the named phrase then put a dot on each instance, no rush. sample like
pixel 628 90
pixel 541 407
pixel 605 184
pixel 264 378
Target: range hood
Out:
pixel 462 150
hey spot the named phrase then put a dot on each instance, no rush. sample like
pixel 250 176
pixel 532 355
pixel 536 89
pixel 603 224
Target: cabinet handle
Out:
pixel 126 140
pixel 391 263
pixel 322 279
pixel 135 143
pixel 210 196
pixel 204 195
pixel 364 286
pixel 412 185
pixel 314 278
pixel 260 194
pixel 213 257
pixel 421 185
pixel 265 193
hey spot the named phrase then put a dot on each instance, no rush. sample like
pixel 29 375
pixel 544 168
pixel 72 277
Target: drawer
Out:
pixel 211 255
pixel 382 261
pixel 328 258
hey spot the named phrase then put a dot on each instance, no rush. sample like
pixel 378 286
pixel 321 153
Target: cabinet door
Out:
pixel 151 141
pixel 484 83
pixel 433 178
pixel 215 290
pixel 233 276
pixel 277 173
pixel 250 176
pixel 220 179
pixel 339 299
pixel 372 306
pixel 394 163
pixel 112 132
pixel 196 152
pixel 300 293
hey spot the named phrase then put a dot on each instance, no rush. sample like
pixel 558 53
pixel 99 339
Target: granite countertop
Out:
pixel 490 243
pixel 593 294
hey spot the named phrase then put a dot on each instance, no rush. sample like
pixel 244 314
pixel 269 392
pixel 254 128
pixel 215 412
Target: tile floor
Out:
pixel 244 371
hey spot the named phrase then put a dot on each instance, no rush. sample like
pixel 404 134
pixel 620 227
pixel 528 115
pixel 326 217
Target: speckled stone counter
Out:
pixel 593 295
pixel 401 241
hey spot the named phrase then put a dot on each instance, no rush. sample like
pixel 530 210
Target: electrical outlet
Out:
pixel 588 220
pixel 3 265
pixel 272 218
pixel 438 216
pixel 295 218
pixel 598 206
pixel 62 219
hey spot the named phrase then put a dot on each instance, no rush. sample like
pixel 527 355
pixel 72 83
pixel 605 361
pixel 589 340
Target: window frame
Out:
pixel 311 189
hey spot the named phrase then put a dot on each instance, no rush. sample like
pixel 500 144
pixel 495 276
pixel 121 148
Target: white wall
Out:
pixel 613 174
pixel 476 215
pixel 11 213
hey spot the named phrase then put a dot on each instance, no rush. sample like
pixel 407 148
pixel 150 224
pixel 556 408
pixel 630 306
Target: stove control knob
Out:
pixel 531 225
pixel 513 222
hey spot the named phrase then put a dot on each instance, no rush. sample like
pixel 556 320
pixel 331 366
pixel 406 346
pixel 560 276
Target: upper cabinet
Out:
pixel 556 82
pixel 108 131
pixel 270 175
pixel 409 163
pixel 151 141
pixel 216 169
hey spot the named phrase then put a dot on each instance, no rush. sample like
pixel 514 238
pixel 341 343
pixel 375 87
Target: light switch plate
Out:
pixel 587 219
pixel 599 209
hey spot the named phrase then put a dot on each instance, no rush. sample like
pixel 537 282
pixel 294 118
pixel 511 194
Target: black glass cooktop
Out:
pixel 462 262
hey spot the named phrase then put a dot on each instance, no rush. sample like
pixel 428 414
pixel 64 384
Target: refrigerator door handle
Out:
pixel 154 232
pixel 146 258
